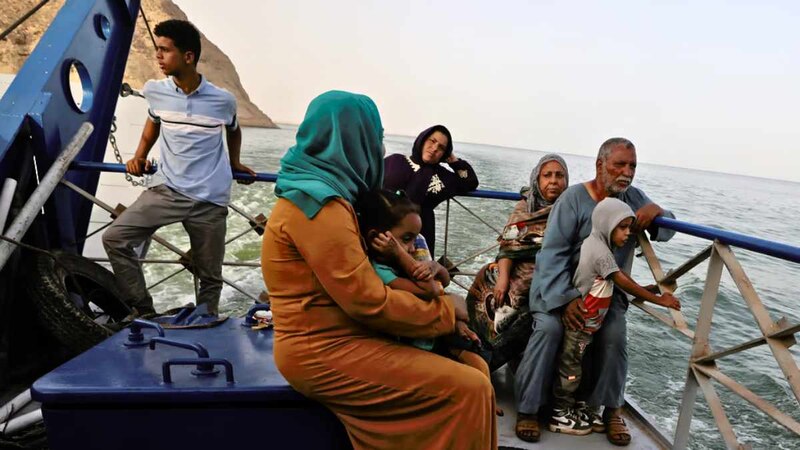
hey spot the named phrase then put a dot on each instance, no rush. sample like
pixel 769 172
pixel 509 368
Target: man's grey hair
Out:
pixel 605 149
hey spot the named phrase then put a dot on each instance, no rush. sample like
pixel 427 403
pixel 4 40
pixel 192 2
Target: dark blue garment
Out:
pixel 401 172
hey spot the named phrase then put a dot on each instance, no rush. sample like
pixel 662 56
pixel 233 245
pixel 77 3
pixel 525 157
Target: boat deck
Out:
pixel 643 436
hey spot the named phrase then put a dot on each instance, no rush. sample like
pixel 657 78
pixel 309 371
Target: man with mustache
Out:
pixel 557 304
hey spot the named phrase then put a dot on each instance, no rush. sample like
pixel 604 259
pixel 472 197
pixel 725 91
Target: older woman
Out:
pixel 333 313
pixel 498 298
pixel 426 181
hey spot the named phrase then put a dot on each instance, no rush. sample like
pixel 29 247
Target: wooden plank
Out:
pixel 639 303
pixel 681 270
pixel 715 404
pixel 785 335
pixel 701 346
pixel 685 412
pixel 658 274
pixel 766 407
pixel 779 350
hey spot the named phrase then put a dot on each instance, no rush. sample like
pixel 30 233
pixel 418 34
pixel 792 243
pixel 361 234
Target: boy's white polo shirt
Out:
pixel 193 161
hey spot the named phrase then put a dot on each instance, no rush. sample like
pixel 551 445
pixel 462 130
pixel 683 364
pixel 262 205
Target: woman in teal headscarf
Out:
pixel 332 313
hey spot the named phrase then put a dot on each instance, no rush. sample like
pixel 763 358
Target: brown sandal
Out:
pixel 527 427
pixel 617 432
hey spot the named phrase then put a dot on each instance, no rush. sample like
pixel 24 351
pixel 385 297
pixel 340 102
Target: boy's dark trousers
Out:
pixel 569 367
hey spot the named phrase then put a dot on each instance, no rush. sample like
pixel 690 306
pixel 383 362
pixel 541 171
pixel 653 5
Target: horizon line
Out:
pixel 584 156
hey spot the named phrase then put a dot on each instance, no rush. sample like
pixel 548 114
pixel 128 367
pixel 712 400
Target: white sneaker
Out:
pixel 568 421
pixel 589 414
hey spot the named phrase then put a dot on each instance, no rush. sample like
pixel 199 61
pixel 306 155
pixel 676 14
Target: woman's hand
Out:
pixel 451 159
pixel 500 291
pixel 460 306
pixel 463 330
pixel 385 245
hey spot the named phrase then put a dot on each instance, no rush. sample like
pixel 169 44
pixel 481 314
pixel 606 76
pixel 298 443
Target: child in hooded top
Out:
pixel 390 223
pixel 595 278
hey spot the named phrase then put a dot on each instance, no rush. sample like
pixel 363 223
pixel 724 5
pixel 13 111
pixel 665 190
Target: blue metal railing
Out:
pixel 777 249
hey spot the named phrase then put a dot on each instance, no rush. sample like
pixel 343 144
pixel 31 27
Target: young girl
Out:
pixel 595 278
pixel 390 223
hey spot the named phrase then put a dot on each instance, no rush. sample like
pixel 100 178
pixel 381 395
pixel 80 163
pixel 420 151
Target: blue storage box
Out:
pixel 115 396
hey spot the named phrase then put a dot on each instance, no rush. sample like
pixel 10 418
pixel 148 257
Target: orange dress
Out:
pixel 334 321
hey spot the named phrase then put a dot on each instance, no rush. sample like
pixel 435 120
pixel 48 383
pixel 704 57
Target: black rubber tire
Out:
pixel 61 307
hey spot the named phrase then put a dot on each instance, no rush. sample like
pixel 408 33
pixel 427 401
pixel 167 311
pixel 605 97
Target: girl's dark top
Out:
pixel 428 184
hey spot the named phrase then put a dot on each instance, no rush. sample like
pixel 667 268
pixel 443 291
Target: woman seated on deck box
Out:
pixel 334 316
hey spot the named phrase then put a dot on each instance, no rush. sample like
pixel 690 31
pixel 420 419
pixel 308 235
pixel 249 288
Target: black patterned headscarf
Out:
pixel 532 193
pixel 419 142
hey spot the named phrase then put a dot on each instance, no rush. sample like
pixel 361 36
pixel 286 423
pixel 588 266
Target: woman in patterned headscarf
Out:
pixel 498 298
pixel 426 181
pixel 332 313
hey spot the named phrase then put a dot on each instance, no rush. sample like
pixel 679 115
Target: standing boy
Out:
pixel 188 116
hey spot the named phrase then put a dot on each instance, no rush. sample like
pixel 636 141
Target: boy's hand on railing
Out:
pixel 239 167
pixel 137 166
pixel 669 300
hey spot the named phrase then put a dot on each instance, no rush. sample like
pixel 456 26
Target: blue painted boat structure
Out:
pixel 38 113
pixel 134 396
pixel 116 396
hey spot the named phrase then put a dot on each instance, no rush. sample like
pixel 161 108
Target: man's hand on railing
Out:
pixel 645 216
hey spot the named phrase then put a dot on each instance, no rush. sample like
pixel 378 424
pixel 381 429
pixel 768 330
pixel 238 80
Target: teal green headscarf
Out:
pixel 339 153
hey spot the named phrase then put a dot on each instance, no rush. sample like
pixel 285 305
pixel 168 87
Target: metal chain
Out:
pixel 113 140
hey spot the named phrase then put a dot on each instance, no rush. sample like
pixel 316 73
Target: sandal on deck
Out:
pixel 527 427
pixel 617 431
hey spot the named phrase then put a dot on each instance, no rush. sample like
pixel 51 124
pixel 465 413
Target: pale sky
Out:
pixel 703 84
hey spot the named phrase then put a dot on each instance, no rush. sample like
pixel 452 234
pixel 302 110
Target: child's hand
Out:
pixel 463 330
pixel 385 245
pixel 422 271
pixel 669 300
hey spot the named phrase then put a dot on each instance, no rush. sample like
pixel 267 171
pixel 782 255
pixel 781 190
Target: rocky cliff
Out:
pixel 214 64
